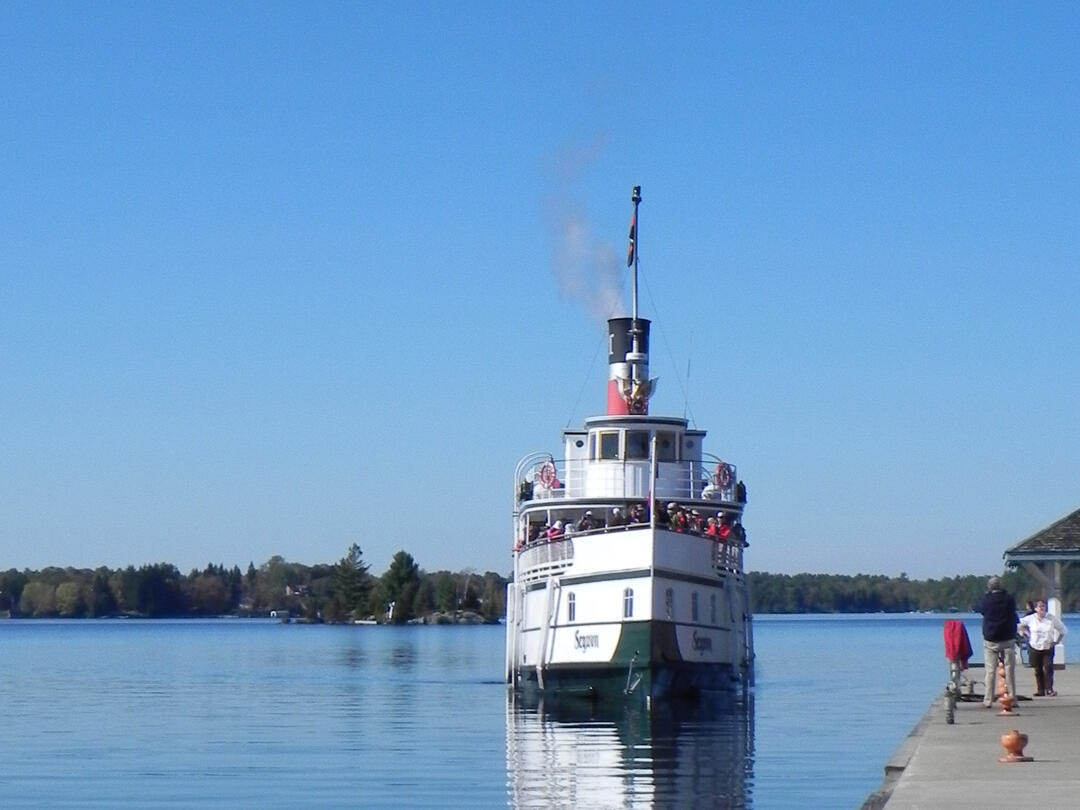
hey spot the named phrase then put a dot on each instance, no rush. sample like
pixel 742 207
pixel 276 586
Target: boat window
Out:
pixel 712 607
pixel 669 603
pixel 693 607
pixel 628 603
pixel 665 445
pixel 571 607
pixel 637 444
pixel 609 445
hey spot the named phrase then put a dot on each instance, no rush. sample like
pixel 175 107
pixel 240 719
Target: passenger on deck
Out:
pixel 639 513
pixel 740 492
pixel 695 524
pixel 679 518
pixel 723 530
pixel 569 530
pixel 555 531
pixel 711 529
pixel 739 534
pixel 663 516
pixel 711 492
pixel 587 522
pixel 616 518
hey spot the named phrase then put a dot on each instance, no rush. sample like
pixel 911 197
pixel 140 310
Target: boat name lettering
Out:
pixel 702 643
pixel 585 642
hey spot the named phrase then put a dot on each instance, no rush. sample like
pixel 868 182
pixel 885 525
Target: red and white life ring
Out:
pixel 722 477
pixel 546 475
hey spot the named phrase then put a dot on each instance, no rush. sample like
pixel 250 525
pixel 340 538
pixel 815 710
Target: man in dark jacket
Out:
pixel 999 622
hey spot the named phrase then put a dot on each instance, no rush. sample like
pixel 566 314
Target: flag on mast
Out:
pixel 633 239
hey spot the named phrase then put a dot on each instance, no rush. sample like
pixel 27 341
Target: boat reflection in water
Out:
pixel 577 754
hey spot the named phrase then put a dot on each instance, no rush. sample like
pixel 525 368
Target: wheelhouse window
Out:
pixel 609 445
pixel 628 603
pixel 693 606
pixel 571 607
pixel 637 445
pixel 666 445
pixel 669 603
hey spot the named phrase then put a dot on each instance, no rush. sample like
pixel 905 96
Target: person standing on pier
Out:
pixel 999 622
pixel 1043 632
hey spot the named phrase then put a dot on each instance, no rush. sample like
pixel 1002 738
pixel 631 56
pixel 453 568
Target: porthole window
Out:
pixel 628 603
pixel 689 444
pixel 693 607
pixel 579 443
pixel 571 607
pixel 669 603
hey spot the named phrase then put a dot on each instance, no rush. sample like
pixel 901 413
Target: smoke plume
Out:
pixel 586 267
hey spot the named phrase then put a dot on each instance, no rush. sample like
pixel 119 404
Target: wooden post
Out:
pixel 1053 607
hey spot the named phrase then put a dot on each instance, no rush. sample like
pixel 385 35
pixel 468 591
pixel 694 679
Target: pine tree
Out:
pixel 351 582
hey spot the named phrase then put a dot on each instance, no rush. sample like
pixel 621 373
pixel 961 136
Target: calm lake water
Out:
pixel 242 713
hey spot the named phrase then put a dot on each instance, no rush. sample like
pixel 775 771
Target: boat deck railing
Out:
pixel 728 557
pixel 548 478
pixel 544 557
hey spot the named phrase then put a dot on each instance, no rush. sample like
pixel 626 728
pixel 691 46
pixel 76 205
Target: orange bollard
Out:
pixel 1006 706
pixel 1005 701
pixel 1013 742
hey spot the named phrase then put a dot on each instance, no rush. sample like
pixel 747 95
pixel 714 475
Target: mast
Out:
pixel 635 198
pixel 636 357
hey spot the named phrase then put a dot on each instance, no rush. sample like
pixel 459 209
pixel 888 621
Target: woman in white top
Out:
pixel 1042 632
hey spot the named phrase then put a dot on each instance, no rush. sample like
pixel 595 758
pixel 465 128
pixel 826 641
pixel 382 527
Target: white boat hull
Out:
pixel 645 612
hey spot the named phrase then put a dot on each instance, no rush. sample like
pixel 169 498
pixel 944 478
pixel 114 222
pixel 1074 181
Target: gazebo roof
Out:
pixel 1059 541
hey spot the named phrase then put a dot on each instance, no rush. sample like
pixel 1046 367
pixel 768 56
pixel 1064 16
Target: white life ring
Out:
pixel 546 475
pixel 722 477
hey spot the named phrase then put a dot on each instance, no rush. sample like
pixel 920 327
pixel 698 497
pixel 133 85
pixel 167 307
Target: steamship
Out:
pixel 628 580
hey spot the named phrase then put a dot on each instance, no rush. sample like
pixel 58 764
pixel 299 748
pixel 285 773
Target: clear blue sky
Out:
pixel 275 278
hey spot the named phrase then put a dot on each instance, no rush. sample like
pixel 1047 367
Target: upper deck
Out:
pixel 616 473
pixel 618 459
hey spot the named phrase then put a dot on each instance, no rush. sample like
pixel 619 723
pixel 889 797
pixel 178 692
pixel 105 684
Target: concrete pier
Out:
pixel 956 766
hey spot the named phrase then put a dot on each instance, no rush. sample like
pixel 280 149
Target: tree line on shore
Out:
pixel 346 591
pixel 869 593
